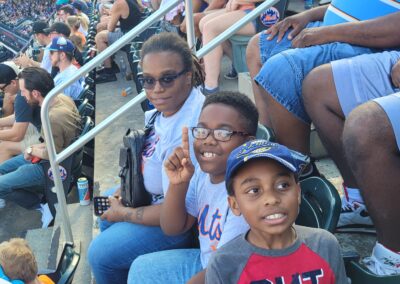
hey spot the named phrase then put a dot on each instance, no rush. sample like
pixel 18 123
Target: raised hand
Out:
pixel 116 212
pixel 178 166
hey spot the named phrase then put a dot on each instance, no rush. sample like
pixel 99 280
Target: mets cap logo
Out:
pixel 269 17
pixel 63 173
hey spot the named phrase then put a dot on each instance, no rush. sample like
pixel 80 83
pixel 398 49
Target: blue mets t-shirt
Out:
pixel 341 11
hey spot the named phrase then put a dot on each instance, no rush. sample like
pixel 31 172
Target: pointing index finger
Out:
pixel 185 139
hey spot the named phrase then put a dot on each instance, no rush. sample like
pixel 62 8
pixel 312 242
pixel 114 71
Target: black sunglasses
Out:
pixel 165 81
pixel 223 135
pixel 4 87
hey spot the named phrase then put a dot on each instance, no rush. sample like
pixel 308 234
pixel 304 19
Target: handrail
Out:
pixel 44 113
pixel 55 159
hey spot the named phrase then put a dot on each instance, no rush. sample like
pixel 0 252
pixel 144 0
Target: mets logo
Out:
pixel 270 17
pixel 63 173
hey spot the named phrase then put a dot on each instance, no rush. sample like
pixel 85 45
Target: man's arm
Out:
pixel 376 33
pixel 215 4
pixel 116 13
pixel 16 133
pixel 8 104
pixel 7 121
pixel 199 278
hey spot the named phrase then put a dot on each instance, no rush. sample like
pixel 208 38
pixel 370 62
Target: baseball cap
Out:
pixel 60 28
pixel 38 27
pixel 292 160
pixel 8 71
pixel 61 44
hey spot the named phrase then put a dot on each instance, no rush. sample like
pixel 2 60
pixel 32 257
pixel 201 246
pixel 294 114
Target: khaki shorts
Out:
pixel 31 137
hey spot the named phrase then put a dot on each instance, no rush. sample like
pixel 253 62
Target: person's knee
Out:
pixel 364 129
pixel 140 269
pixel 94 256
pixel 314 85
pixel 253 53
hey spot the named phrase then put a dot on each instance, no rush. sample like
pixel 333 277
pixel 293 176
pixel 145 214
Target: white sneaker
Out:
pixel 383 261
pixel 47 217
pixel 2 203
pixel 354 217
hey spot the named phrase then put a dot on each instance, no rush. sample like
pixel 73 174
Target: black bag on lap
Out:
pixel 133 192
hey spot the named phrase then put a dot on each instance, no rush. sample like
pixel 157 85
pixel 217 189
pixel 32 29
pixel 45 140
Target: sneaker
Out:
pixel 106 77
pixel 2 203
pixel 232 75
pixel 383 261
pixel 47 217
pixel 207 92
pixel 354 217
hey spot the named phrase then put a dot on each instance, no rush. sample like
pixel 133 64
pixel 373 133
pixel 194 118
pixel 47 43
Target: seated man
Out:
pixel 21 128
pixel 23 171
pixel 371 139
pixel 330 93
pixel 61 54
pixel 367 136
pixel 128 13
pixel 289 50
pixel 39 29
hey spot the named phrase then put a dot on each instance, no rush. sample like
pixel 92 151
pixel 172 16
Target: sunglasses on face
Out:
pixel 4 87
pixel 223 135
pixel 165 81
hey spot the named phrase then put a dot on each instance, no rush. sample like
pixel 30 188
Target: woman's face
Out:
pixel 167 86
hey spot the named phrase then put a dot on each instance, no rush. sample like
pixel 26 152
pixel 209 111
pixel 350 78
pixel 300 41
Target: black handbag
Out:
pixel 133 192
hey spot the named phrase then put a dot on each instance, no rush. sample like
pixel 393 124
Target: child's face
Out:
pixel 211 153
pixel 268 196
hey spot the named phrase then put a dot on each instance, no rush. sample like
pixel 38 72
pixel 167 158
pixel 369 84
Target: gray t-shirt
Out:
pixel 314 257
pixel 208 202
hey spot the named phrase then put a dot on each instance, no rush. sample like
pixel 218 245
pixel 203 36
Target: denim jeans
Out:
pixel 112 252
pixel 16 174
pixel 170 266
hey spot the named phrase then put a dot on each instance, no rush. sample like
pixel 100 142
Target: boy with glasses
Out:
pixel 198 195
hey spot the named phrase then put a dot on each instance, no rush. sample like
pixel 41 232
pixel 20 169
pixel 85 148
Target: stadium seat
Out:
pixel 67 265
pixel 361 275
pixel 85 108
pixel 320 204
pixel 265 133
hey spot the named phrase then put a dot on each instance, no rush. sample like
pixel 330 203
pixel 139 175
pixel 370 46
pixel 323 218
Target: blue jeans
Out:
pixel 284 68
pixel 17 173
pixel 170 266
pixel 111 254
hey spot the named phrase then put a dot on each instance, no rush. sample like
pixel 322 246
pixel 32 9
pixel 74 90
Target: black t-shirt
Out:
pixel 26 113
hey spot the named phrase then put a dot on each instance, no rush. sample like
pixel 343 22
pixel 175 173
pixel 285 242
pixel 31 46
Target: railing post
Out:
pixel 191 37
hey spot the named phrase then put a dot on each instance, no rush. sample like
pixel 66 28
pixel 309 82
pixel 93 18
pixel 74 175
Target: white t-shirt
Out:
pixel 217 224
pixel 162 141
pixel 75 88
pixel 46 60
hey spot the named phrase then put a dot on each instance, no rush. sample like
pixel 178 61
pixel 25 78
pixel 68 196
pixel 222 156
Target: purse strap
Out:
pixel 152 119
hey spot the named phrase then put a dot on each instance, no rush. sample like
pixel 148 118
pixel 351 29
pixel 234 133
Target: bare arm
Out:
pixel 215 4
pixel 7 121
pixel 199 278
pixel 376 33
pixel 8 104
pixel 16 133
pixel 116 13
pixel 146 215
pixel 174 217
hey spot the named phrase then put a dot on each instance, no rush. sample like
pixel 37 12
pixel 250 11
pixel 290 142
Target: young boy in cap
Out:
pixel 262 185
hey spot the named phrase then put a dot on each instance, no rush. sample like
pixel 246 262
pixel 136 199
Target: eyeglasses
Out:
pixel 223 135
pixel 165 81
pixel 4 87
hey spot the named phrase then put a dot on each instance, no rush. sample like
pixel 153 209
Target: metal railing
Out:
pixel 54 158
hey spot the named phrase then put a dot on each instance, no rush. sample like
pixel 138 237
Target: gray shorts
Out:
pixel 114 36
pixel 363 78
pixel 391 105
pixel 31 137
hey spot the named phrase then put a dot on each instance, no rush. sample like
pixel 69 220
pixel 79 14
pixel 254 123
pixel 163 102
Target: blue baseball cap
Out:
pixel 61 44
pixel 255 149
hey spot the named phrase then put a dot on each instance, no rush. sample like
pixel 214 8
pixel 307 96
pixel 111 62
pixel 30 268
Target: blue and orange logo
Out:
pixel 270 17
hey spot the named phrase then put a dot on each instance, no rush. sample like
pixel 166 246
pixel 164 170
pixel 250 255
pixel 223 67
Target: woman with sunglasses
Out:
pixel 171 75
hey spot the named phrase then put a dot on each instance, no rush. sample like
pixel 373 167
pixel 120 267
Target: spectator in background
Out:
pixel 21 128
pixel 77 41
pixel 19 173
pixel 39 29
pixel 66 11
pixel 8 86
pixel 17 262
pixel 128 13
pixel 74 22
pixel 61 52
pixel 81 11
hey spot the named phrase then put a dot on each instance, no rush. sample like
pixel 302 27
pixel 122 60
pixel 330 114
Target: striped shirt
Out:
pixel 341 11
